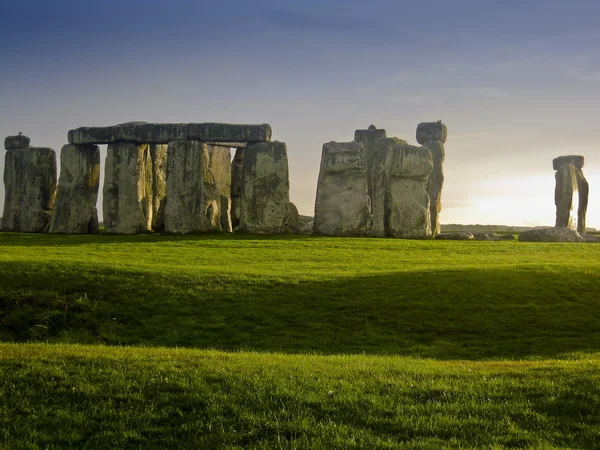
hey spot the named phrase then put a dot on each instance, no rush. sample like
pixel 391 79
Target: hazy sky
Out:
pixel 516 81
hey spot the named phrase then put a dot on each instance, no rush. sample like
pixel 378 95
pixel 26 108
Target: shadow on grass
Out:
pixel 442 314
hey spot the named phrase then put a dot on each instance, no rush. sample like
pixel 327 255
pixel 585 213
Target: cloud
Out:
pixel 581 74
pixel 313 22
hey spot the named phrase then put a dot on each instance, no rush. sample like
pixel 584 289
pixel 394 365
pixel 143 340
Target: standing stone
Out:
pixel 406 200
pixel 343 206
pixel 237 179
pixel 368 138
pixel 127 193
pixel 384 149
pixel 433 135
pixel 571 192
pixel 193 204
pixel 158 155
pixel 30 189
pixel 266 189
pixel 293 219
pixel 75 207
pixel 220 166
pixel 584 189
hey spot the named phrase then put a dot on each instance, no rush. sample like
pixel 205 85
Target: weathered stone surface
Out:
pixel 574 160
pixel 153 133
pixel 590 237
pixel 293 219
pixel 435 183
pixel 19 142
pixel 583 189
pixel 306 224
pixel 220 166
pixel 193 201
pixel 485 236
pixel 406 199
pixel 159 155
pixel 237 175
pixel 571 198
pixel 226 132
pixel 127 192
pixel 343 206
pixel 266 189
pixel 225 212
pixel 382 152
pixel 552 234
pixel 456 236
pixel 30 189
pixel 163 133
pixel 431 131
pixel 75 206
pixel 368 139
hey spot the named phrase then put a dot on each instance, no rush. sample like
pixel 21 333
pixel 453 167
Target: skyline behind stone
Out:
pixel 516 83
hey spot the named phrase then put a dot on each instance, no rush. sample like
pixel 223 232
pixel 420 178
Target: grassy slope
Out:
pixel 421 298
pixel 502 301
pixel 102 397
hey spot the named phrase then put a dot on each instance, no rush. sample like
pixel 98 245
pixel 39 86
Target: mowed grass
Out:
pixel 438 299
pixel 72 396
pixel 331 343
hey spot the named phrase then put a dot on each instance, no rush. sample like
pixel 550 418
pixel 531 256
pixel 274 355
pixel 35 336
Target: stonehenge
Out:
pixel 265 205
pixel 158 156
pixel 433 135
pixel 177 178
pixel 127 193
pixel 571 192
pixel 30 186
pixel 406 199
pixel 343 206
pixel 211 177
pixel 77 193
pixel 193 203
pixel 379 186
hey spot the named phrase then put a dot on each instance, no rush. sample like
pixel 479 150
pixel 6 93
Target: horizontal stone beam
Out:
pixel 163 133
pixel 574 160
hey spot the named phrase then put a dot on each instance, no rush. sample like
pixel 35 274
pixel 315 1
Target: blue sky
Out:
pixel 517 82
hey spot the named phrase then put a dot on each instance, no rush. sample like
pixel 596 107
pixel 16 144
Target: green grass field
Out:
pixel 297 342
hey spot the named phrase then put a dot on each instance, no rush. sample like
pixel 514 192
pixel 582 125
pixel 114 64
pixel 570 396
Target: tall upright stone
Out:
pixel 266 189
pixel 127 193
pixel 30 186
pixel 158 155
pixel 343 205
pixel 220 166
pixel 433 135
pixel 406 199
pixel 75 206
pixel 571 192
pixel 368 138
pixel 237 178
pixel 382 152
pixel 192 192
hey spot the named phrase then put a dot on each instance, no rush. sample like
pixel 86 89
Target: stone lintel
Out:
pixel 19 142
pixel 574 160
pixel 228 135
pixel 431 131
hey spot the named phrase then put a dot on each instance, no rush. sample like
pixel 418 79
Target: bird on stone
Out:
pixel 439 121
pixel 20 133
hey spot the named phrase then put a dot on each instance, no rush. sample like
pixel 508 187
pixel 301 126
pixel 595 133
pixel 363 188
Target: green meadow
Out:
pixel 240 341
